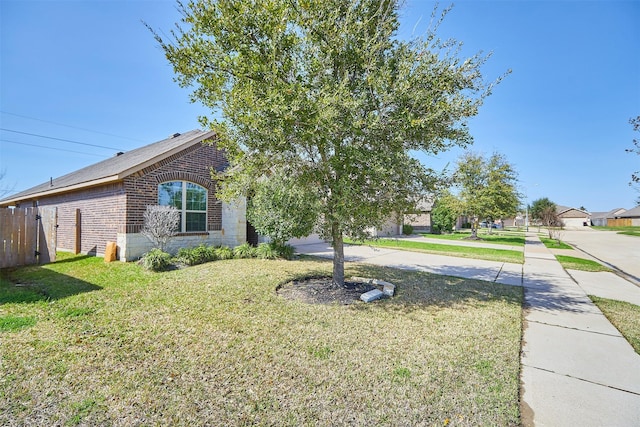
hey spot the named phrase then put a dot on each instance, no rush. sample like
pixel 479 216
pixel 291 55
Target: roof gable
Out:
pixel 115 168
pixel 631 213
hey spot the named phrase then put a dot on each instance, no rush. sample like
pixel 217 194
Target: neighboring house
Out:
pixel 421 219
pixel 105 202
pixel 626 218
pixel 572 217
pixel 601 218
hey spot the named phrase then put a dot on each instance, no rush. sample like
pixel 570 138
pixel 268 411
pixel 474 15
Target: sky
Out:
pixel 82 80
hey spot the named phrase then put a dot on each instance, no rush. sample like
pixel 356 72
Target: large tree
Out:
pixel 488 188
pixel 325 90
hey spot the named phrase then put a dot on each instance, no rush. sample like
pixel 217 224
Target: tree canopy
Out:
pixel 324 91
pixel 488 188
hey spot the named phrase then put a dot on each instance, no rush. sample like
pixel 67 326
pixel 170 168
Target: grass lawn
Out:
pixel 573 263
pixel 498 237
pixel 629 231
pixel 89 343
pixel 553 243
pixel 624 316
pixel 501 255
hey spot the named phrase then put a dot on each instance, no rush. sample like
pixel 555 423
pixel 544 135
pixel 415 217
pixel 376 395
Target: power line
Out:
pixel 61 139
pixel 52 148
pixel 70 126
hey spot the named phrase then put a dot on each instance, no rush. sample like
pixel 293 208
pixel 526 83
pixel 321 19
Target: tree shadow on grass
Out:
pixel 39 284
pixel 417 290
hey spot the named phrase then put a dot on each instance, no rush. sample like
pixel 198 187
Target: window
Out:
pixel 190 199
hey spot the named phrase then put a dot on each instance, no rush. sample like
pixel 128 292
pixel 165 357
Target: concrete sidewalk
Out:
pixel 577 369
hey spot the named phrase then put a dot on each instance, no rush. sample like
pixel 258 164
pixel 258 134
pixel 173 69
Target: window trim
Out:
pixel 183 211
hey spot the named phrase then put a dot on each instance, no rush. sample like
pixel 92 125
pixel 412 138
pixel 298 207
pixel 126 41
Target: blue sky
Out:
pixel 561 117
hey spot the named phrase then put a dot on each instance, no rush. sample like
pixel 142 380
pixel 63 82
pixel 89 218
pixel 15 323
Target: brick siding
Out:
pixel 118 207
pixel 102 210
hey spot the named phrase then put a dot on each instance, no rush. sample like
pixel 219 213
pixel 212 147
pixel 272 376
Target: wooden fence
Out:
pixel 27 236
pixel 620 222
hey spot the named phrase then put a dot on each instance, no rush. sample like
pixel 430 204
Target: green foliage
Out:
pixel 198 255
pixel 282 208
pixel 245 250
pixel 444 213
pixel 407 229
pixel 326 93
pixel 156 260
pixel 538 206
pixel 224 252
pixel 274 251
pixel 267 251
pixel 487 187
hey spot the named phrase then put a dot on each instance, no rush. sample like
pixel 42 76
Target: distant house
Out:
pixel 600 218
pixel 106 201
pixel 626 218
pixel 420 220
pixel 572 217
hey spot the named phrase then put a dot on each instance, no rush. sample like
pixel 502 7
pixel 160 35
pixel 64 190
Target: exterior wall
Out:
pixel 102 211
pixel 234 223
pixel 390 228
pixel 132 246
pixel 420 221
pixel 114 212
pixel 192 164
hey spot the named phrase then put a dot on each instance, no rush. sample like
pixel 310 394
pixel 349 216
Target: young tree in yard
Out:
pixel 160 224
pixel 502 197
pixel 635 176
pixel 326 90
pixel 445 212
pixel 487 188
pixel 540 209
pixel 282 208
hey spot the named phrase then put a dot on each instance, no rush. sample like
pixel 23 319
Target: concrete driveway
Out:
pixel 619 251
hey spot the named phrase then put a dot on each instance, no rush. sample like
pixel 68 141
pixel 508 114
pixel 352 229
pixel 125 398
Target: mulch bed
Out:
pixel 322 290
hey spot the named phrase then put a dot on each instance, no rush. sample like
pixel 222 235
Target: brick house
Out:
pixel 105 201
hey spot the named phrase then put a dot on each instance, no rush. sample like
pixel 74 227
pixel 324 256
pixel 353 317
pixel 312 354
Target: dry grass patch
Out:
pixel 216 344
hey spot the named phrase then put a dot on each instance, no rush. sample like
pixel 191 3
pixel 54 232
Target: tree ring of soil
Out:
pixel 322 290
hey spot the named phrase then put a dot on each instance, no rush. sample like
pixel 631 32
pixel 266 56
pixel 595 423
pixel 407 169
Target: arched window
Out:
pixel 190 199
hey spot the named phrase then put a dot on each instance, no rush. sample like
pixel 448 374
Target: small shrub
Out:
pixel 274 251
pixel 198 255
pixel 245 250
pixel 407 229
pixel 205 254
pixel 224 252
pixel 285 251
pixel 156 260
pixel 267 251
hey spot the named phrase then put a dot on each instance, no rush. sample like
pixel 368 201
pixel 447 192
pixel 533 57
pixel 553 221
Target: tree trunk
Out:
pixel 474 228
pixel 338 255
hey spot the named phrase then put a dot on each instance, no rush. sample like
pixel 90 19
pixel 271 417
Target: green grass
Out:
pixel 497 237
pixel 624 316
pixel 629 231
pixel 554 244
pixel 573 263
pixel 113 344
pixel 500 255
